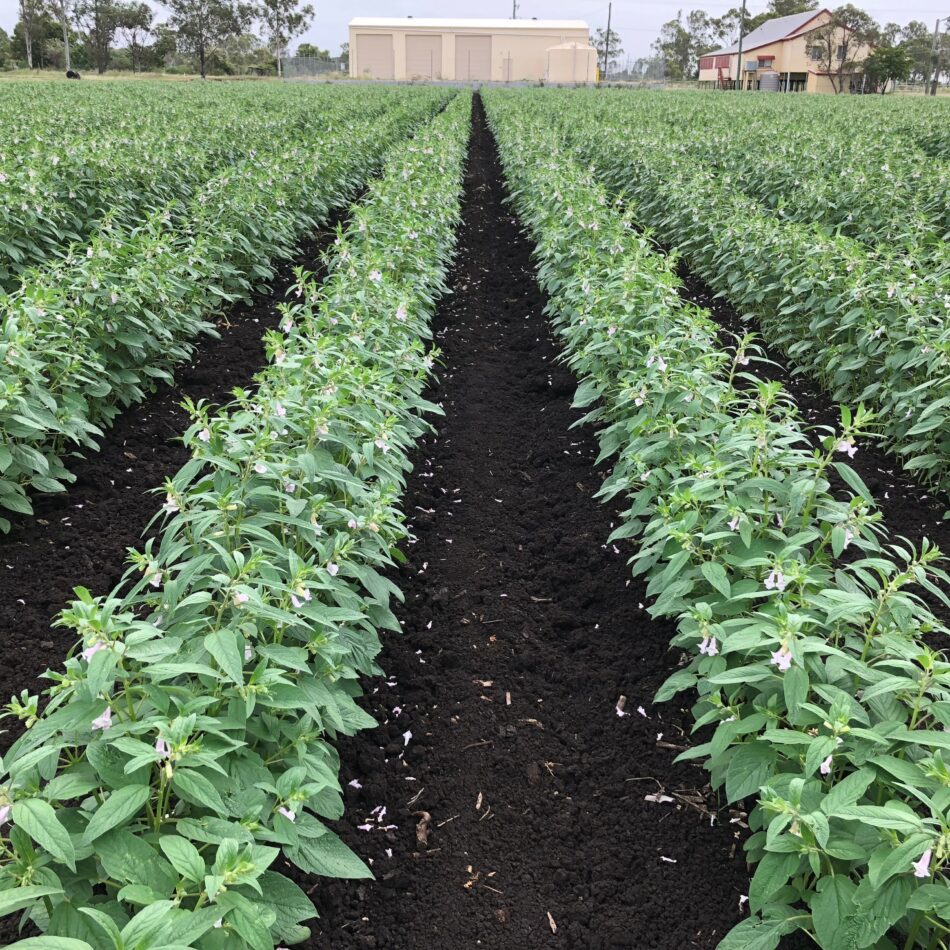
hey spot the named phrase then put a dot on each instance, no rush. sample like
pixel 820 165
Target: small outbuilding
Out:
pixel 479 50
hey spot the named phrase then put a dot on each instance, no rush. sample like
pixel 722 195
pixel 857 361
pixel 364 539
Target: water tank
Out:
pixel 769 81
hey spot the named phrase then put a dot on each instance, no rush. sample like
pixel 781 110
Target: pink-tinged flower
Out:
pixel 240 598
pixel 260 468
pixel 102 722
pixel 406 736
pixel 296 601
pixel 782 659
pixel 248 653
pixel 922 867
pixel 287 813
pixel 847 445
pixel 382 444
pixel 776 580
pixel 401 313
pixel 92 650
pixel 287 325
pixel 171 505
pixel 734 524
pixel 352 524
pixel 161 748
pixel 156 579
pixel 611 331
pixel 5 813
pixel 289 487
pixel 848 536
pixel 205 435
pixel 825 767
pixel 280 356
pixel 333 569
pixel 375 276
pixel 280 410
pixel 709 646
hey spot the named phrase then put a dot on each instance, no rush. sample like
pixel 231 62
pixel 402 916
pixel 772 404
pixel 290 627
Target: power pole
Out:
pixel 934 61
pixel 514 9
pixel 610 10
pixel 739 57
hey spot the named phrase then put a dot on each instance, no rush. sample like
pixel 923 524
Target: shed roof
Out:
pixel 458 23
pixel 771 31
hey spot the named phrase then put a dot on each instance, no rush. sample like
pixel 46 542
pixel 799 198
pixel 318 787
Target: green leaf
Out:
pixel 227 648
pixel 327 855
pixel 771 875
pixel 829 908
pixel 886 861
pixel 716 574
pixel 50 943
pixel 184 856
pixel 749 769
pixel 757 934
pixel 288 901
pixel 38 819
pixel 121 806
pixel 16 898
pixel 129 859
pixel 196 789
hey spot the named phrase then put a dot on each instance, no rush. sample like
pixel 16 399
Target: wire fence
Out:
pixel 305 67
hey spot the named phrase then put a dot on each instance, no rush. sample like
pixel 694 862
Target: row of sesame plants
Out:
pixel 853 180
pixel 868 328
pixel 188 742
pixel 136 151
pixel 819 702
pixel 84 339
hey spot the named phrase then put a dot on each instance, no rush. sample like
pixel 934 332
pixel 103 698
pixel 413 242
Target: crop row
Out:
pixel 87 338
pixel 867 329
pixel 851 180
pixel 188 741
pixel 57 187
pixel 817 695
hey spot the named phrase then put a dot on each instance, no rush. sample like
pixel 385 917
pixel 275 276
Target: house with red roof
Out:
pixel 782 55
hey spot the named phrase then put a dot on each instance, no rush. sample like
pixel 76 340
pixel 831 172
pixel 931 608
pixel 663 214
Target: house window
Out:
pixel 706 62
pixel 816 53
pixel 840 53
pixel 765 62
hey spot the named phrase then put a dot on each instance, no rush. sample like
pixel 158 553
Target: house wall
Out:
pixel 516 54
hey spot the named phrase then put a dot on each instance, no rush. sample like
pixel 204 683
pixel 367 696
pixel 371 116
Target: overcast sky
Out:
pixel 637 22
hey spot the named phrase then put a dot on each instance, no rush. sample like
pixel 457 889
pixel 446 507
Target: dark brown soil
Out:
pixel 910 509
pixel 80 537
pixel 522 630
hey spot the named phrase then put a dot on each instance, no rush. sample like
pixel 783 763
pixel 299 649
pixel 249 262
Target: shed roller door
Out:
pixel 472 57
pixel 374 55
pixel 423 56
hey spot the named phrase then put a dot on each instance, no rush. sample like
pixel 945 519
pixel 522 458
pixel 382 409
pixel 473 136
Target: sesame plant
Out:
pixel 85 338
pixel 113 155
pixel 869 327
pixel 188 742
pixel 821 704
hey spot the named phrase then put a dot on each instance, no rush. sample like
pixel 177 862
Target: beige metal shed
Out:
pixel 471 50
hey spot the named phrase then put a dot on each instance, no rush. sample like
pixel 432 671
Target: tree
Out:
pixel 164 46
pixel 312 52
pixel 202 25
pixel 6 50
pixel 886 64
pixel 345 54
pixel 681 43
pixel 836 44
pixel 284 20
pixel 607 43
pixel 29 15
pixel 98 20
pixel 135 23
